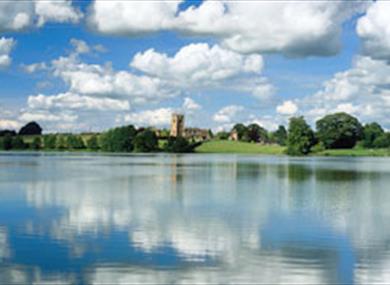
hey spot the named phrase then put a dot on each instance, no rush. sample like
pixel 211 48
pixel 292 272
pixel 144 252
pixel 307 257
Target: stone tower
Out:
pixel 177 125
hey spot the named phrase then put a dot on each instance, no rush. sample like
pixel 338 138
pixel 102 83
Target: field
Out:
pixel 223 146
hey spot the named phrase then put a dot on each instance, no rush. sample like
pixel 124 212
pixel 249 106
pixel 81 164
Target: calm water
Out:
pixel 88 219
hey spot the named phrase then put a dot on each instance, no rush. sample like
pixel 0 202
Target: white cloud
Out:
pixel 34 67
pixel 197 64
pixel 287 108
pixel 362 90
pixel 374 30
pixel 228 114
pixel 97 80
pixel 9 124
pixel 60 11
pixel 154 118
pixel 75 102
pixel 46 116
pixel 297 29
pixel 190 105
pixel 18 15
pixel 80 46
pixel 132 17
pixel 6 46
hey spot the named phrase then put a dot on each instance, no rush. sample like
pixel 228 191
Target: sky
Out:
pixel 77 66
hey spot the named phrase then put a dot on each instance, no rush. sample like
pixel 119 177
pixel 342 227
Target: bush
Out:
pixel 222 135
pixel 36 144
pixel 179 145
pixel 119 139
pixel 18 143
pixel 383 141
pixel 146 141
pixel 6 142
pixel 339 130
pixel 300 137
pixel 93 143
pixel 371 133
pixel 49 141
pixel 75 142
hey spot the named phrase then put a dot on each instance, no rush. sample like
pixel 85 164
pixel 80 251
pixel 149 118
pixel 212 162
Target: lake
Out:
pixel 173 219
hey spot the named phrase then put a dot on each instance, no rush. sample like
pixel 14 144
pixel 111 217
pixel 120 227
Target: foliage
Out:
pixel 119 139
pixel 300 137
pixel 222 135
pixel 241 131
pixel 339 130
pixel 7 132
pixel 6 142
pixel 36 144
pixel 256 133
pixel 75 142
pixel 179 145
pixel 280 136
pixel 60 142
pixel 93 143
pixel 382 141
pixel 49 141
pixel 146 141
pixel 371 133
pixel 18 143
pixel 31 128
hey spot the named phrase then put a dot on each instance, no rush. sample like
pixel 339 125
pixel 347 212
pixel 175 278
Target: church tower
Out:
pixel 177 125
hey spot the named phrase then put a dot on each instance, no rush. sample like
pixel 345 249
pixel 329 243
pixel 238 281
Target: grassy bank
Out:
pixel 354 152
pixel 238 147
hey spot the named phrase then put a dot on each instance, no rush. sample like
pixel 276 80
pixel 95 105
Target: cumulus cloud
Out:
pixel 287 108
pixel 362 90
pixel 60 11
pixel 46 116
pixel 18 15
pixel 152 118
pixel 197 64
pixel 190 105
pixel 374 30
pixel 9 124
pixel 227 114
pixel 97 80
pixel 75 102
pixel 6 46
pixel 34 67
pixel 294 29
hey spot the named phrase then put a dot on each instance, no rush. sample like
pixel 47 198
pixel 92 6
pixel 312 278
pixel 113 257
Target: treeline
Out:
pixel 122 139
pixel 334 131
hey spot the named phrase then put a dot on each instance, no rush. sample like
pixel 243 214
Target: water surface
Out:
pixel 172 219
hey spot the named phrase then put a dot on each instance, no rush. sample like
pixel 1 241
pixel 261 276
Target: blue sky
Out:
pixel 91 65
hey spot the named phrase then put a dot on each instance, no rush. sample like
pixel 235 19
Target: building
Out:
pixel 233 135
pixel 197 134
pixel 177 125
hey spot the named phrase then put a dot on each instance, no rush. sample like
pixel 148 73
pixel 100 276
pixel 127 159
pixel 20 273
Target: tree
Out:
pixel 179 145
pixel 7 132
pixel 93 143
pixel 49 141
pixel 300 137
pixel 119 139
pixel 6 142
pixel 256 133
pixel 339 130
pixel 146 141
pixel 280 136
pixel 222 135
pixel 383 141
pixel 18 143
pixel 371 132
pixel 60 142
pixel 36 143
pixel 31 128
pixel 75 142
pixel 241 131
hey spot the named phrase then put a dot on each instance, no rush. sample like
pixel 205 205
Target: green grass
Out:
pixel 223 146
pixel 354 152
